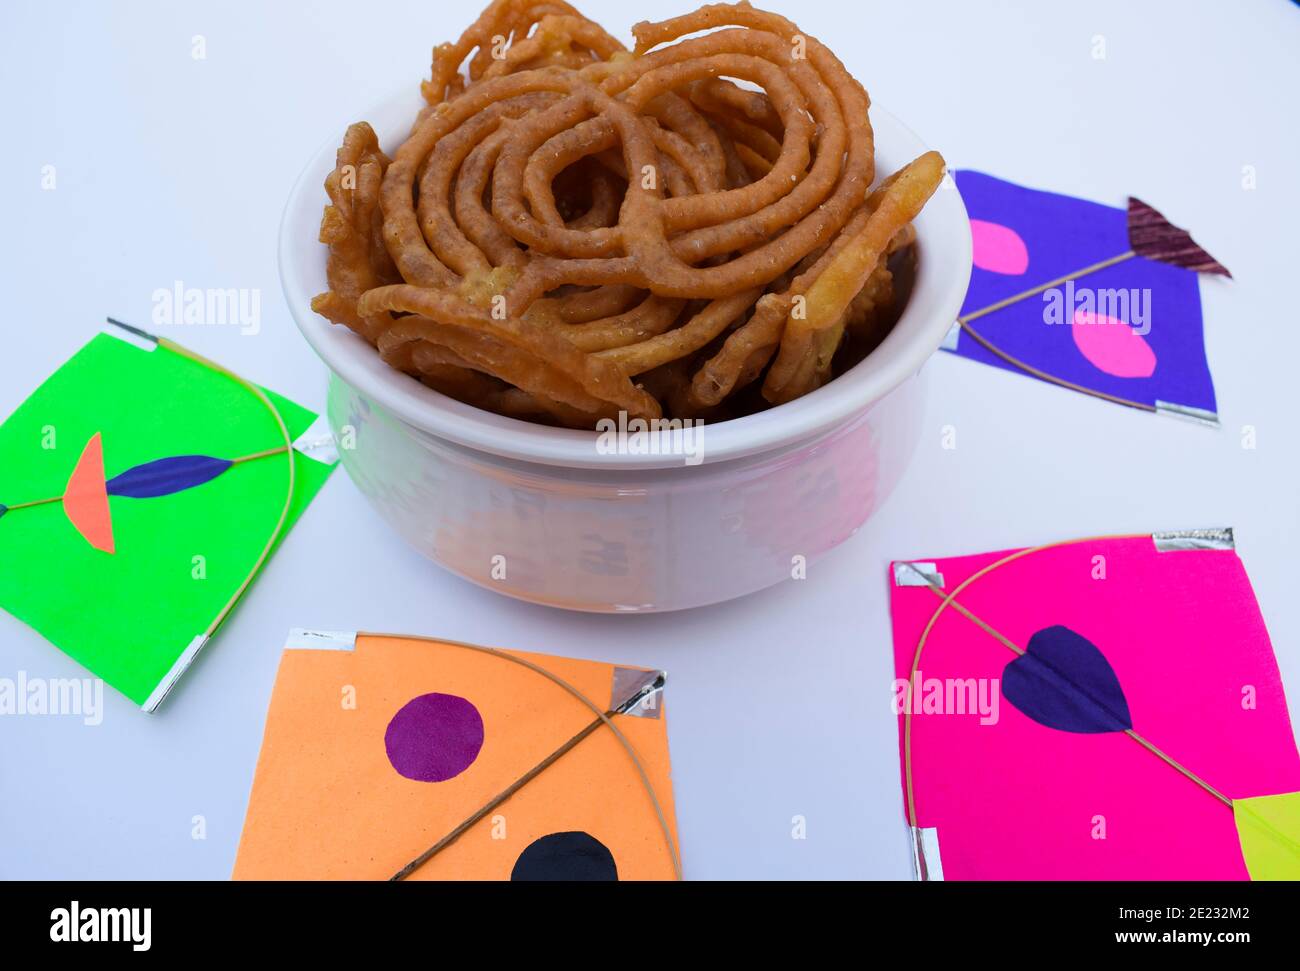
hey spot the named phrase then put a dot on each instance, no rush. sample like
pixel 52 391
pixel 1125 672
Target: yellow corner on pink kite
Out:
pixel 85 500
pixel 1269 830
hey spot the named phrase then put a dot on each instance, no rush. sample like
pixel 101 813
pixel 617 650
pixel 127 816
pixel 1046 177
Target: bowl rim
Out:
pixel 943 272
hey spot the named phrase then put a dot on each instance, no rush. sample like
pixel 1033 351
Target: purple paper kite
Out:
pixel 1102 300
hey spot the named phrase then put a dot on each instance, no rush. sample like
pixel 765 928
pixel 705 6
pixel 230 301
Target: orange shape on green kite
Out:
pixel 86 498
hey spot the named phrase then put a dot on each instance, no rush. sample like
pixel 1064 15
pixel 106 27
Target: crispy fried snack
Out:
pixel 573 230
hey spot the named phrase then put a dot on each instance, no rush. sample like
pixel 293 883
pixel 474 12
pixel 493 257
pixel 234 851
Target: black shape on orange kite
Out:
pixel 565 856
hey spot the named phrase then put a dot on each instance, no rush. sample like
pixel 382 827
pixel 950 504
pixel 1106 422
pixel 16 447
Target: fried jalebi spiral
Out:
pixel 573 230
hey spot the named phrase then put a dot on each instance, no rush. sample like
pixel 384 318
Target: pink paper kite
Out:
pixel 1098 709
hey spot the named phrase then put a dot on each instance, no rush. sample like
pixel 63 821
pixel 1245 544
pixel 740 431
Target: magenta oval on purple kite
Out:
pixel 434 737
pixel 1111 345
pixel 998 248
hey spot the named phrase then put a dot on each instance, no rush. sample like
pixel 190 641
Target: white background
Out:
pixel 172 169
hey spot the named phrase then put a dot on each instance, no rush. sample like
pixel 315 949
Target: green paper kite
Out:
pixel 141 490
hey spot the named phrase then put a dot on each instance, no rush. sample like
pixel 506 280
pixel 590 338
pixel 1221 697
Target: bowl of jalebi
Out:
pixel 626 328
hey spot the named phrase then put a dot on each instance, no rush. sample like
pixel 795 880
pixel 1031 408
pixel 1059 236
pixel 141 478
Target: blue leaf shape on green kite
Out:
pixel 165 476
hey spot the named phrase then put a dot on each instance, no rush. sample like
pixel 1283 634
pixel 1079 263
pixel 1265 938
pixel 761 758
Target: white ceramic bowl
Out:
pixel 546 515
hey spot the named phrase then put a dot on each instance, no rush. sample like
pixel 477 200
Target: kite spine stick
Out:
pixel 497 800
pixel 235 461
pixel 1024 295
pixel 279 450
pixel 1154 750
pixel 34 502
pixel 602 717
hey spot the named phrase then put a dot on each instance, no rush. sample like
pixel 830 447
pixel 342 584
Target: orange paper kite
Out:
pixel 387 756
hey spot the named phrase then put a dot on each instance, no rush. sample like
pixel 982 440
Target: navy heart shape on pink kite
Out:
pixel 1063 681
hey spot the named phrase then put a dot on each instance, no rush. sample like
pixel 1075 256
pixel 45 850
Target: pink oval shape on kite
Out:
pixel 1112 345
pixel 998 248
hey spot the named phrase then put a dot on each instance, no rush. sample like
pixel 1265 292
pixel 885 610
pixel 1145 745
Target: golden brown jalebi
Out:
pixel 573 230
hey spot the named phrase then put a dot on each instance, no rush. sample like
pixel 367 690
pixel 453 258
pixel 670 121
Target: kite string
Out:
pixel 1051 378
pixel 950 599
pixel 909 789
pixel 601 715
pixel 287 448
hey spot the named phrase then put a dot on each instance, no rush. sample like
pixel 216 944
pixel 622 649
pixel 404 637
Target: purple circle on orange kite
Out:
pixel 434 737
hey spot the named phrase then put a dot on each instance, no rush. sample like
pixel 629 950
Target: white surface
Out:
pixel 172 169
